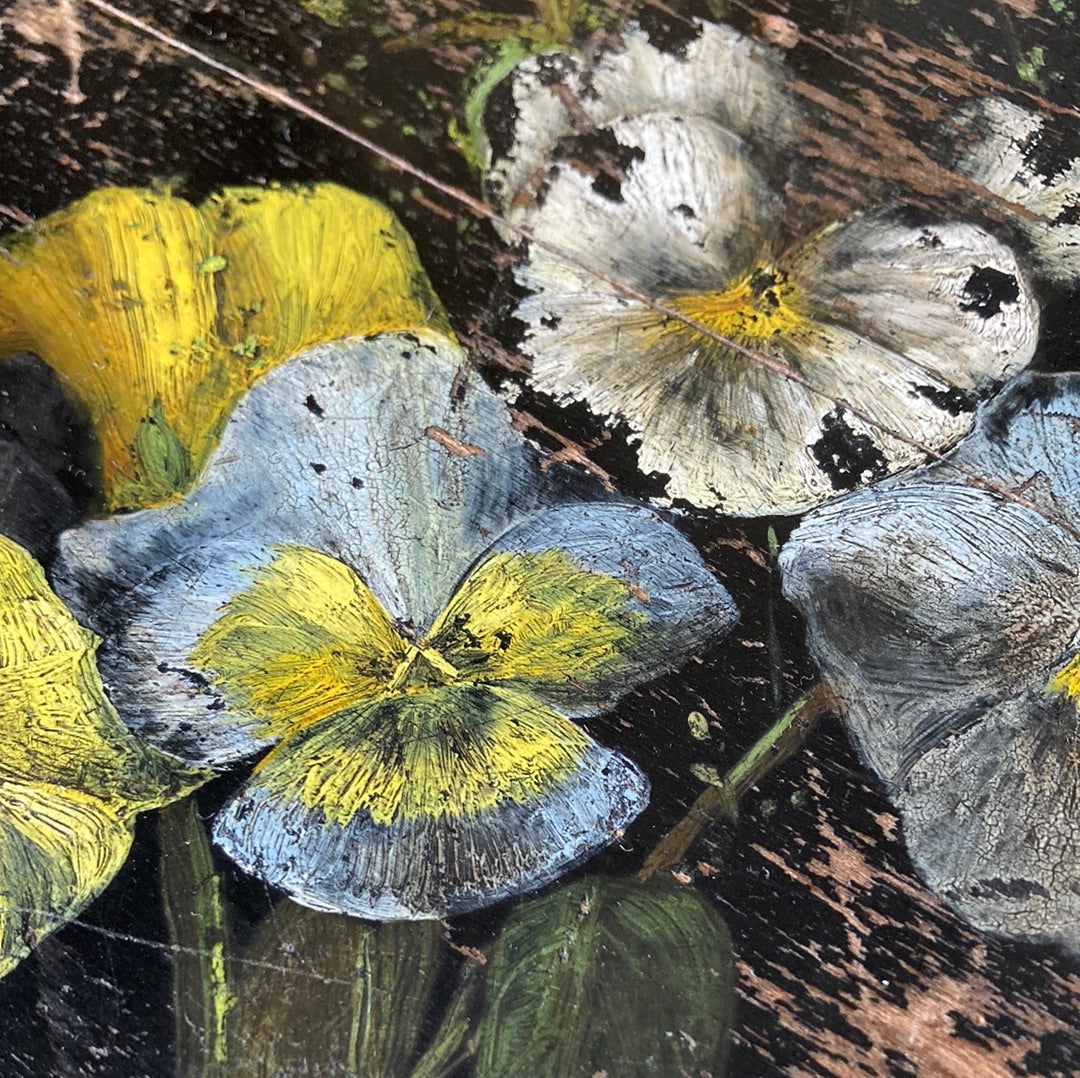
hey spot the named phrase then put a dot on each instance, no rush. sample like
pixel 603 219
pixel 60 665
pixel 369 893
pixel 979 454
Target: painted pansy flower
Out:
pixel 373 578
pixel 158 315
pixel 716 77
pixel 72 778
pixel 947 619
pixel 1006 150
pixel 893 324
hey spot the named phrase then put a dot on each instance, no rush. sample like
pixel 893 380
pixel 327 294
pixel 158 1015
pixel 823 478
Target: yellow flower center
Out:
pixel 422 668
pixel 755 308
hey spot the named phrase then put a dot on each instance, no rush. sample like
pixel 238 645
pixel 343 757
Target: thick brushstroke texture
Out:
pixel 157 315
pixel 561 95
pixel 432 866
pixel 997 147
pixel 413 642
pixel 893 317
pixel 878 317
pixel 71 776
pixel 946 619
pixel 389 502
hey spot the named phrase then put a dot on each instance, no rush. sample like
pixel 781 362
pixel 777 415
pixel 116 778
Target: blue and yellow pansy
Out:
pixel 374 577
pixel 341 551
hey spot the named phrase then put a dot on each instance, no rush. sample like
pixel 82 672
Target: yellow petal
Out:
pixel 420 805
pixel 539 618
pixel 158 316
pixel 59 848
pixel 108 291
pixel 451 753
pixel 56 725
pixel 72 777
pixel 314 264
pixel 306 640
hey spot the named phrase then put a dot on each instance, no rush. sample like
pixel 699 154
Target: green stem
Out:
pixel 772 638
pixel 473 139
pixel 195 914
pixel 453 1044
pixel 776 745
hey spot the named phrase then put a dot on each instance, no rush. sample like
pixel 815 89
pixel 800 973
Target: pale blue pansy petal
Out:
pixel 384 453
pixel 1028 440
pixel 677 606
pixel 925 604
pixel 991 818
pixel 940 612
pixel 320 837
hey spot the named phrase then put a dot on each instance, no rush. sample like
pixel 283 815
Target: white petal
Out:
pixel 905 324
pixel 722 76
pixel 947 296
pixel 691 211
pixel 1046 206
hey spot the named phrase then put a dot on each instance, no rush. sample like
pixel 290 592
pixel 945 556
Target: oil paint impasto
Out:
pixel 946 619
pixel 901 317
pixel 538 540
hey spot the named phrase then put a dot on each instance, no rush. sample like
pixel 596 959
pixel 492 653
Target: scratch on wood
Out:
pixel 570 452
pixel 451 444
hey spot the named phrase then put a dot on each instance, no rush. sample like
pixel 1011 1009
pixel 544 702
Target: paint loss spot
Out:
pixel 848 457
pixel 953 400
pixel 1016 889
pixel 667 32
pixel 601 156
pixel 987 289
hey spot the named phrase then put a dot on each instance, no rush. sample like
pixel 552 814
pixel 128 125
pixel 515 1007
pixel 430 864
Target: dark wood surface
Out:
pixel 846 964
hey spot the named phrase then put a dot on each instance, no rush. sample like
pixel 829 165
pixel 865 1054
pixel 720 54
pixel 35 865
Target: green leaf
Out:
pixel 352 995
pixel 163 461
pixel 609 975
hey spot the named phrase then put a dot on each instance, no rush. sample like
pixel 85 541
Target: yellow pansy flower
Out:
pixel 158 315
pixel 72 778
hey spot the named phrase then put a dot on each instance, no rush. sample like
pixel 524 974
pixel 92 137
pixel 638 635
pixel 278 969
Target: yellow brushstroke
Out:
pixel 108 292
pixel 756 307
pixel 57 726
pixel 447 753
pixel 58 849
pixel 538 618
pixel 334 12
pixel 72 777
pixel 305 641
pixel 158 316
pixel 1067 679
pixel 407 730
pixel 315 264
